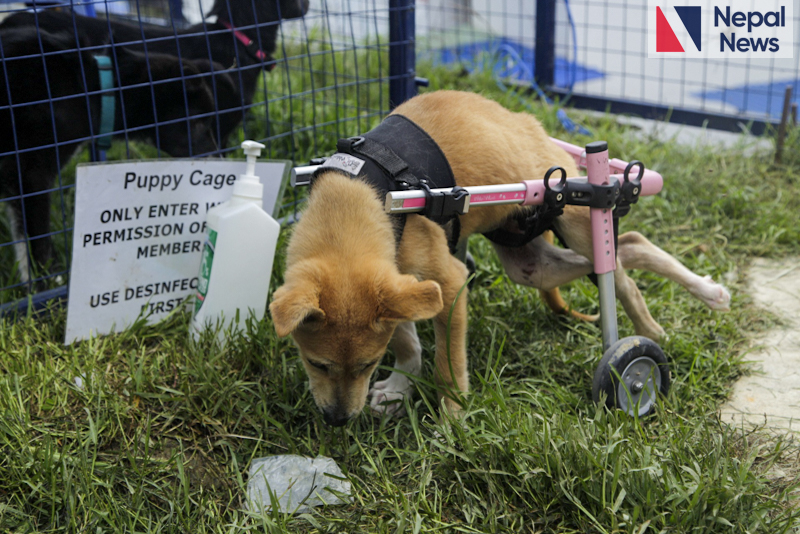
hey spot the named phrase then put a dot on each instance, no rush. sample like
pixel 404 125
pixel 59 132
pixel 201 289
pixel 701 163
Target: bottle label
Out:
pixel 205 269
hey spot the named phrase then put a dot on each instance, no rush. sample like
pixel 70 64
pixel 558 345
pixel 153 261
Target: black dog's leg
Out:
pixel 31 214
pixel 10 181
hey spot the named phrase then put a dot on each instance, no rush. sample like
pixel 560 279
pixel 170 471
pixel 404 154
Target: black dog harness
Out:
pixel 398 155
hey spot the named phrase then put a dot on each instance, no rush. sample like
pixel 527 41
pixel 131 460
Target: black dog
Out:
pixel 225 41
pixel 50 104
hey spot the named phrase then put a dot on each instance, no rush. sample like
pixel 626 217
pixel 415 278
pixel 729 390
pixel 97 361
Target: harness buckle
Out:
pixel 347 145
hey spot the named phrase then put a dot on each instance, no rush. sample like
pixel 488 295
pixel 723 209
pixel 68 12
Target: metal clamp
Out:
pixel 441 206
pixel 582 193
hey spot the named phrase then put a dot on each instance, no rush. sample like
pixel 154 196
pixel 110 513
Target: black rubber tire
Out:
pixel 638 355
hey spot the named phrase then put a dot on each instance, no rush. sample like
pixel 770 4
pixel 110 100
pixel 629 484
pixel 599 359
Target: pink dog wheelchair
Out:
pixel 633 370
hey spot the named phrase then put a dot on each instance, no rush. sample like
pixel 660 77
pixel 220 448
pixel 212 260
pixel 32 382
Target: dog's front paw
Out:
pixel 386 396
pixel 714 295
pixel 387 403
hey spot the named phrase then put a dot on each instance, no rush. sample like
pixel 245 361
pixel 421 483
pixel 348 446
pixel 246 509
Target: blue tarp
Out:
pixel 512 60
pixel 757 99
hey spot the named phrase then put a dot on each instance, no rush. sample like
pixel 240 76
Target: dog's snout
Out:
pixel 335 416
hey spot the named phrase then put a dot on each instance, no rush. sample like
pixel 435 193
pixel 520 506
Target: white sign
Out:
pixel 138 236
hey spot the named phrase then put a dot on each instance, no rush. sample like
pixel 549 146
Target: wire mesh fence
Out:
pixel 195 78
pixel 177 84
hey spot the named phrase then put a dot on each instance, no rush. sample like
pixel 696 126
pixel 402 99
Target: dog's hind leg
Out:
pixel 541 264
pixel 634 305
pixel 544 266
pixel 636 252
pixel 386 396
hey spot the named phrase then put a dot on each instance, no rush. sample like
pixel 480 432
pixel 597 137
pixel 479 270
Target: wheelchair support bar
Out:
pixel 603 239
pixel 302 175
pixel 527 193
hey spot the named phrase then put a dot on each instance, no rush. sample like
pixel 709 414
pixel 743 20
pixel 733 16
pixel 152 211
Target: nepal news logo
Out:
pixel 721 29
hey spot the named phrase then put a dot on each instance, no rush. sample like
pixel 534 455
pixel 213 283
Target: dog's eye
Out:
pixel 324 367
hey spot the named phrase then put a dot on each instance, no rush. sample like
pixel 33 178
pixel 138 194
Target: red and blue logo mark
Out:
pixel 667 41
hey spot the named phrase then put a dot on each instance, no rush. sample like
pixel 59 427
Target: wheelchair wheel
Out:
pixel 632 373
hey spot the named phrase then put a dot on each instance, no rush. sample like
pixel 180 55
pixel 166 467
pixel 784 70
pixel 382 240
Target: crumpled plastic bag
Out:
pixel 299 483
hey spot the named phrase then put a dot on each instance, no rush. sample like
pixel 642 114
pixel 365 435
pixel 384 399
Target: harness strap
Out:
pixel 383 156
pixel 107 103
pixel 532 223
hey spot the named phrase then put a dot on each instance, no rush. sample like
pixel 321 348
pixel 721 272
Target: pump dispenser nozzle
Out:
pixel 248 184
pixel 252 150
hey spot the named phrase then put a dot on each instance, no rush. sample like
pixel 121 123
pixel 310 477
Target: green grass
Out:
pixel 160 436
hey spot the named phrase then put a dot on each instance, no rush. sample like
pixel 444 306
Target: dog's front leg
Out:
pixel 424 253
pixel 450 327
pixel 386 396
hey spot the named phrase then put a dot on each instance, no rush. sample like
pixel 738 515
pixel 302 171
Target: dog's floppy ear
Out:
pixel 411 300
pixel 294 304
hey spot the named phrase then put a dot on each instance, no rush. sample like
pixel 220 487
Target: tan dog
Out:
pixel 350 290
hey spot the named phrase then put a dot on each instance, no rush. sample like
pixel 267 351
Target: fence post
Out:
pixel 176 12
pixel 402 59
pixel 545 54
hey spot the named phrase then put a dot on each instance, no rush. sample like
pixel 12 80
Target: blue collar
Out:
pixel 107 103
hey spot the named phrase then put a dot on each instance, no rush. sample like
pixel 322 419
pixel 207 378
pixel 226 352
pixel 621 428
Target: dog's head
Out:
pixel 264 10
pixel 292 9
pixel 342 315
pixel 266 14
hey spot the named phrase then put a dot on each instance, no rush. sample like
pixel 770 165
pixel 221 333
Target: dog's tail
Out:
pixel 554 301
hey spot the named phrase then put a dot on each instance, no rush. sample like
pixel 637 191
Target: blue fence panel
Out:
pixel 598 57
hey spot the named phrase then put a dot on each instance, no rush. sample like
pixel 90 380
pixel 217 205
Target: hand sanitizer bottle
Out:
pixel 237 256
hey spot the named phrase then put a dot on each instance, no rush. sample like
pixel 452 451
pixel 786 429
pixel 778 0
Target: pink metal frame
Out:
pixel 531 192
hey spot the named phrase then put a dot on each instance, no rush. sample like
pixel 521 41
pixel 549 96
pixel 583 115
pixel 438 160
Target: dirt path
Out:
pixel 771 395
